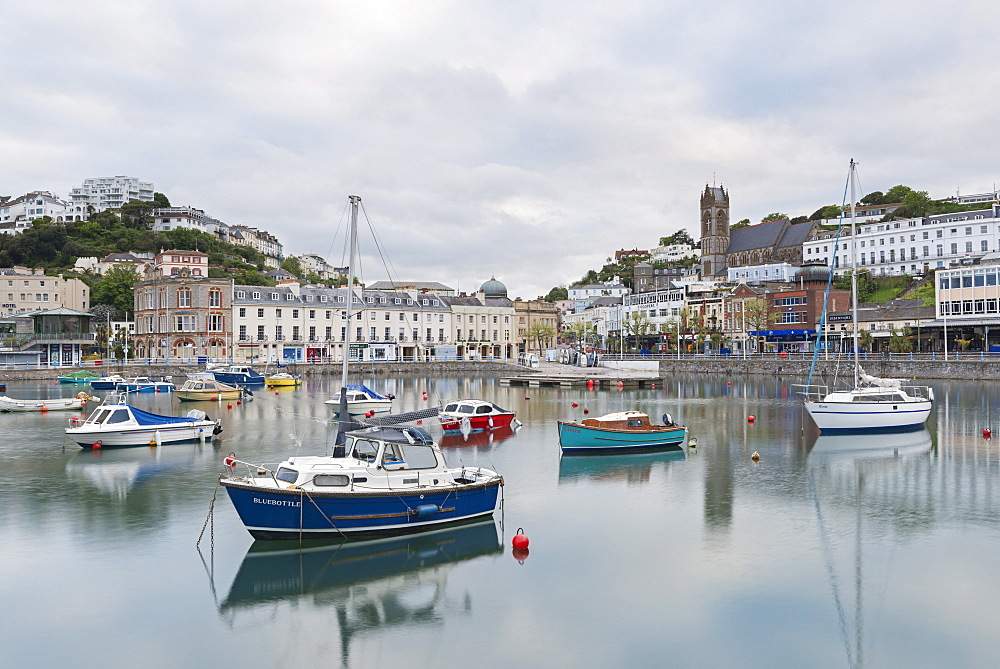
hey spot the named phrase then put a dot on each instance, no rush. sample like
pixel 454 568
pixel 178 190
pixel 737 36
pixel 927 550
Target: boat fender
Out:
pixel 230 461
pixel 425 510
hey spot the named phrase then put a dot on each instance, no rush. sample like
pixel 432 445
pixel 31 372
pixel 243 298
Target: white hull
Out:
pixel 59 404
pixel 143 436
pixel 863 416
pixel 359 408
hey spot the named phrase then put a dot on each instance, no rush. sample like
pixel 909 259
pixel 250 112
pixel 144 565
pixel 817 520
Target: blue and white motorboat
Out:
pixel 109 382
pixel 117 424
pixel 363 400
pixel 383 480
pixel 239 375
pixel 622 431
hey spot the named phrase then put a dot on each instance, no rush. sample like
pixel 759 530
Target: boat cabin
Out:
pixel 621 420
pixel 473 408
pixel 387 448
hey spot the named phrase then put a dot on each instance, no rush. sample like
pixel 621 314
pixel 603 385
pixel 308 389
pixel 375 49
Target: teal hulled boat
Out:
pixel 622 431
pixel 81 376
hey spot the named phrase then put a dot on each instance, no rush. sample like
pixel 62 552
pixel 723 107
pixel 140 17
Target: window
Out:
pixel 274 296
pixel 184 323
pixel 277 313
pixel 215 298
pixel 295 313
pixel 184 297
pixel 215 322
pixel 260 313
pixel 278 333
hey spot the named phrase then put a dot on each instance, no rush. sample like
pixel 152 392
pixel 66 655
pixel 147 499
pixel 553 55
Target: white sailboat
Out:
pixel 872 403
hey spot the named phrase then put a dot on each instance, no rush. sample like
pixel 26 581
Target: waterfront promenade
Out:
pixel 958 365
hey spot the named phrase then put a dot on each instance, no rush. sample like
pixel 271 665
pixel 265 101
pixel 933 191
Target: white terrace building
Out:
pixel 911 246
pixel 293 323
pixel 17 214
pixel 102 193
pixel 171 218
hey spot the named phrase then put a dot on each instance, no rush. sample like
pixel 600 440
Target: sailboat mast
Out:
pixel 355 201
pixel 854 275
pixel 344 424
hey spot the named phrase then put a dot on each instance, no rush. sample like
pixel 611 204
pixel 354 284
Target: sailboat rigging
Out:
pixel 872 403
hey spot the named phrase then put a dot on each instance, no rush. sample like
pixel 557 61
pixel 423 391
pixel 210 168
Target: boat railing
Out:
pixel 811 392
pixel 922 392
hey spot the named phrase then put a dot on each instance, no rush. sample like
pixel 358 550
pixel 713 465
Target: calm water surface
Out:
pixel 830 552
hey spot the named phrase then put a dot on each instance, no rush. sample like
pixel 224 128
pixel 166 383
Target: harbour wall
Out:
pixel 356 370
pixel 920 370
pixel 973 370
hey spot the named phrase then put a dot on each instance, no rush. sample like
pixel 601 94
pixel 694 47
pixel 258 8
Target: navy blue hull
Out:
pixel 289 514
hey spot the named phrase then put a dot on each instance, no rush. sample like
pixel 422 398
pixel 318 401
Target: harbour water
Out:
pixel 828 552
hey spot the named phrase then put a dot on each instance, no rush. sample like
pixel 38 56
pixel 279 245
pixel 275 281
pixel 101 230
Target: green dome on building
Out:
pixel 494 289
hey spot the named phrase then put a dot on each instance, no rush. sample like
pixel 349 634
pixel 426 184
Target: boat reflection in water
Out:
pixel 373 585
pixel 632 468
pixel 863 489
pixel 847 447
pixel 477 439
pixel 116 472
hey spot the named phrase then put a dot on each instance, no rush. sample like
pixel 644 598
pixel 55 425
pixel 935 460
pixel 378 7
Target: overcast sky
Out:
pixel 523 139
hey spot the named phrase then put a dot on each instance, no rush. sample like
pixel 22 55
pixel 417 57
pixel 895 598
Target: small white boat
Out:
pixel 117 424
pixel 871 404
pixel 209 389
pixel 52 404
pixel 362 400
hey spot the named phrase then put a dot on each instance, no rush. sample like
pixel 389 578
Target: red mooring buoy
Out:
pixel 751 419
pixel 575 405
pixel 987 433
pixel 229 406
pixel 520 540
pixel 586 411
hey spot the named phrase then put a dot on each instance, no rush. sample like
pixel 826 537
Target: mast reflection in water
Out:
pixel 372 586
pixel 864 489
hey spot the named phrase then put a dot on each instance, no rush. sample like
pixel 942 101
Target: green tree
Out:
pixel 757 316
pixel 865 340
pixel 252 277
pixel 873 198
pixel 776 216
pixel 679 237
pixel 900 340
pixel 160 201
pixel 743 223
pixel 116 288
pixel 540 334
pixel 557 293
pixel 292 265
pixel 896 194
pixel 826 213
pixel 137 214
pixel 638 325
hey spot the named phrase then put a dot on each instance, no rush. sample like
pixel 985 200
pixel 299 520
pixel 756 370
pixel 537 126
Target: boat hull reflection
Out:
pixel 281 570
pixel 477 439
pixel 632 468
pixel 839 446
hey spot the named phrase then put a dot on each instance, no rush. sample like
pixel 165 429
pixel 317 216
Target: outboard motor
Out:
pixel 668 420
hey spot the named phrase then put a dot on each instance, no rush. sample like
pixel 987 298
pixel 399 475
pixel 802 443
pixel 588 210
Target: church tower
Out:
pixel 714 230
